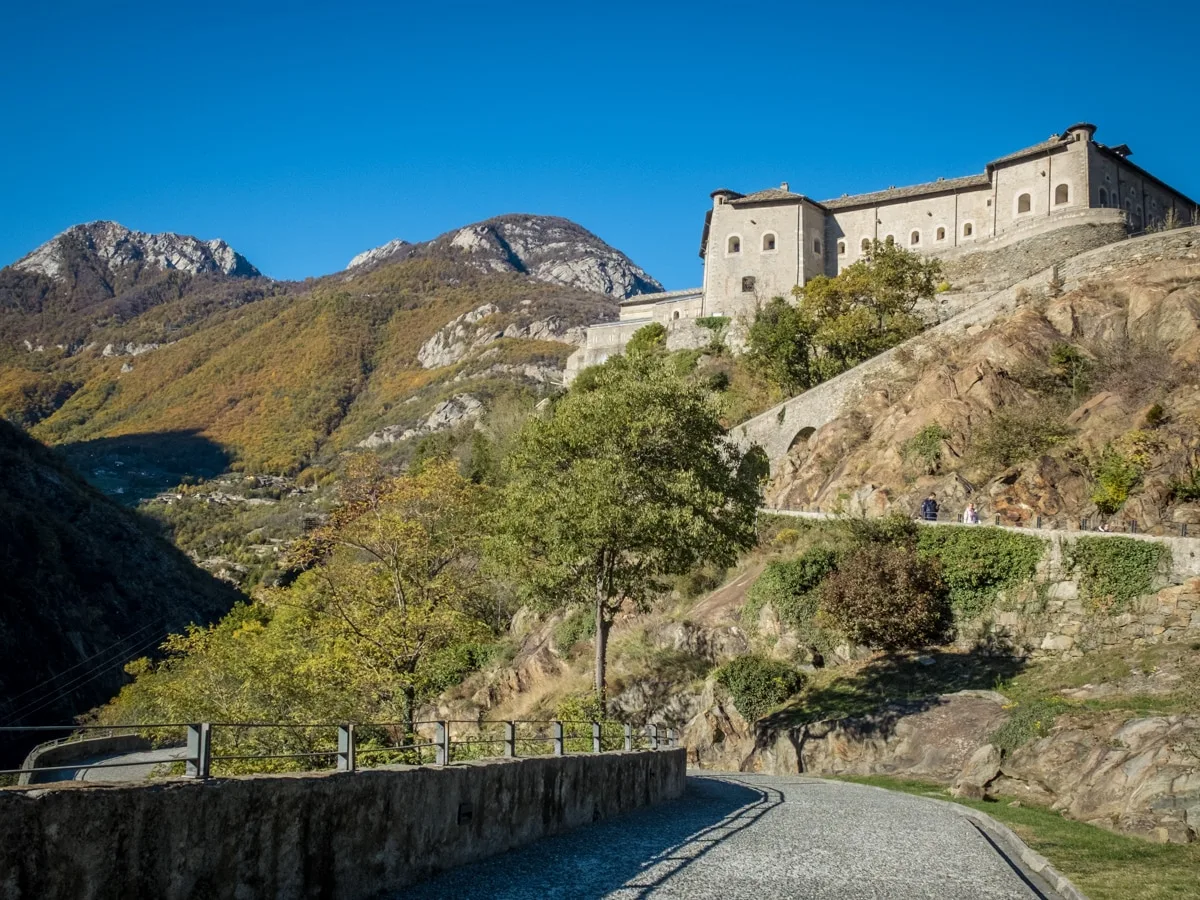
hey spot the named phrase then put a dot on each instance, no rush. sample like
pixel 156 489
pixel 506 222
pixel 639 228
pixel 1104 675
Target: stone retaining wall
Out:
pixel 340 836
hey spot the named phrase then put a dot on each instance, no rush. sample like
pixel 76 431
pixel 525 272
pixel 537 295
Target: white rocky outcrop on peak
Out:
pixel 447 414
pixel 546 248
pixel 117 246
pixel 377 254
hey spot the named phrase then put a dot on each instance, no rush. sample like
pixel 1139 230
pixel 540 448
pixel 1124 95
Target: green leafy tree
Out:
pixel 779 345
pixel 650 339
pixel 621 484
pixel 868 306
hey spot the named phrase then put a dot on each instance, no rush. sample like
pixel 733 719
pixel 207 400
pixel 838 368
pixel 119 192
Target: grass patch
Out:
pixel 1103 864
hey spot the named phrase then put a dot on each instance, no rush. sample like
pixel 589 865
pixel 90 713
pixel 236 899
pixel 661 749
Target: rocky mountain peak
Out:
pixel 546 248
pixel 116 246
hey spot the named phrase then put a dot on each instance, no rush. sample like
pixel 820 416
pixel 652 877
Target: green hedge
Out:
pixel 1112 571
pixel 758 684
pixel 978 563
pixel 789 586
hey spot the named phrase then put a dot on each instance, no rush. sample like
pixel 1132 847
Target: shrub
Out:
pixel 758 684
pixel 786 537
pixel 578 625
pixel 1155 416
pixel 1026 722
pixel 893 530
pixel 977 563
pixel 1186 489
pixel 790 589
pixel 887 597
pixel 943 286
pixel 925 448
pixel 1116 475
pixel 1016 434
pixel 698 581
pixel 1115 570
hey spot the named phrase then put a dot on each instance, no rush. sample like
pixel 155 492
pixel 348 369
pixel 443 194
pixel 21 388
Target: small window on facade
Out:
pixel 914 238
pixel 1062 194
pixel 768 241
pixel 866 245
pixel 747 284
pixel 890 240
pixel 675 315
pixel 1024 204
pixel 989 201
pixel 968 229
pixel 817 246
pixel 1103 197
pixel 941 234
pixel 735 245
pixel 841 248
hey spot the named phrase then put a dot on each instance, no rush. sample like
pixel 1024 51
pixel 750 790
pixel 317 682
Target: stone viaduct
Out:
pixel 778 429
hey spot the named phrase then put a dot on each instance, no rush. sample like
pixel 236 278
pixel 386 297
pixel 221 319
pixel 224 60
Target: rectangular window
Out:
pixel 747 284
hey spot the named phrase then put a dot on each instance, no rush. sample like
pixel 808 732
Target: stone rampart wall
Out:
pixel 338 836
pixel 776 429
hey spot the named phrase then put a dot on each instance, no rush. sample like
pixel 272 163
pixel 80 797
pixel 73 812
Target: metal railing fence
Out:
pixel 348 747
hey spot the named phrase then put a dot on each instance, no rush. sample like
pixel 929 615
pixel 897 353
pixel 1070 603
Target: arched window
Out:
pixel 968 229
pixel 817 246
pixel 735 244
pixel 941 234
pixel 1103 197
pixel 1062 194
pixel 1024 204
pixel 675 315
pixel 768 241
pixel 866 245
pixel 841 248
pixel 890 240
pixel 914 238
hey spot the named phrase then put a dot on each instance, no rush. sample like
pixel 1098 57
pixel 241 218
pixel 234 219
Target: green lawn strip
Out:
pixel 1103 864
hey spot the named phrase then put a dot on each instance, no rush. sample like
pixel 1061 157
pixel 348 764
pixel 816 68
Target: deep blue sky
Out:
pixel 303 133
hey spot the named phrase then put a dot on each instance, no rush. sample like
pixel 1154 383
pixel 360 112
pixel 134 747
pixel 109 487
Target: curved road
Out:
pixel 755 836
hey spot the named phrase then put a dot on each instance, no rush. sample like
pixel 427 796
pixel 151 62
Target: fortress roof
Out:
pixel 916 190
pixel 1050 144
pixel 770 195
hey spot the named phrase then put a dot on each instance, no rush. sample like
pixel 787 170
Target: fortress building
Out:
pixel 761 245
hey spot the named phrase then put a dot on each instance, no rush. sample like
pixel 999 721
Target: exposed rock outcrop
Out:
pixel 116 246
pixel 447 414
pixel 546 248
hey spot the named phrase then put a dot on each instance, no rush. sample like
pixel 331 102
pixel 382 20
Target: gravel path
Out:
pixel 754 836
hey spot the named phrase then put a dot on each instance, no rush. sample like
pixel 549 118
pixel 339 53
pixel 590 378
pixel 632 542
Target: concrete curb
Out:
pixel 1029 858
pixel 1020 854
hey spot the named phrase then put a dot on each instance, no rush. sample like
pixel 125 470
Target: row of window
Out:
pixel 734 244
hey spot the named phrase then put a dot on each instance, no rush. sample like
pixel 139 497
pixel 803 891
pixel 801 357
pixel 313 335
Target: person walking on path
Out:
pixel 929 509
pixel 971 515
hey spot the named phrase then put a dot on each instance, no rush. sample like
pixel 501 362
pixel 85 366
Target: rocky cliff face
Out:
pixel 114 246
pixel 546 248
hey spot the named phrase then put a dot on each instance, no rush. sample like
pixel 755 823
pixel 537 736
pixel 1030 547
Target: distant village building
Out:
pixel 762 245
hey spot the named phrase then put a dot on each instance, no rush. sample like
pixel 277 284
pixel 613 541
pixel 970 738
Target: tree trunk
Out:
pixel 603 623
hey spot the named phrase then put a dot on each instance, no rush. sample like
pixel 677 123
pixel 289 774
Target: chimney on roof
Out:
pixel 783 185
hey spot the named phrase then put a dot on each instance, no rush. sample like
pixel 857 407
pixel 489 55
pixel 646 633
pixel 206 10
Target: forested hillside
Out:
pixel 87 586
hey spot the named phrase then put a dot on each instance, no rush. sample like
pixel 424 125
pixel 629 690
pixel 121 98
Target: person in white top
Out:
pixel 970 515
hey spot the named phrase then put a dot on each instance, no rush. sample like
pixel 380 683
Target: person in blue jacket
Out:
pixel 929 509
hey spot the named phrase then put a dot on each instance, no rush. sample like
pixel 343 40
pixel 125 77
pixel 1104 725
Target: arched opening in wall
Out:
pixel 1024 204
pixel 941 234
pixel 841 248
pixel 914 238
pixel 1062 195
pixel 734 245
pixel 968 229
pixel 768 241
pixel 1103 197
pixel 675 315
pixel 866 245
pixel 748 284
pixel 802 437
pixel 890 240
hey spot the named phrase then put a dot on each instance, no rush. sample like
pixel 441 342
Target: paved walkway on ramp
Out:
pixel 754 836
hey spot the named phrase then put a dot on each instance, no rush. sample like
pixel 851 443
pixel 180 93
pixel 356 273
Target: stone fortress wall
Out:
pixel 986 229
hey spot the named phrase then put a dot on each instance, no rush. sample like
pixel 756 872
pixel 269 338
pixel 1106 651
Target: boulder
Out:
pixel 980 771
